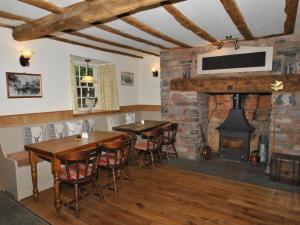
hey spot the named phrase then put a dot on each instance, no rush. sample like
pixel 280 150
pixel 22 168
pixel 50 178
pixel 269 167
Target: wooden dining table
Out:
pixel 52 148
pixel 133 129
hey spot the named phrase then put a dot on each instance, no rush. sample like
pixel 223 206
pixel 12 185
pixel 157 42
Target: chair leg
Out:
pixel 152 160
pixel 174 149
pixel 115 183
pixel 167 150
pixel 128 174
pixel 76 201
pixel 98 190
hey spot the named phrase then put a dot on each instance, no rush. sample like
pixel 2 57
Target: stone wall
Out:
pixel 191 109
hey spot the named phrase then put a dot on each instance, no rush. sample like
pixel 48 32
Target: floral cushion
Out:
pixel 74 127
pixel 73 175
pixel 108 160
pixel 22 158
pixel 33 134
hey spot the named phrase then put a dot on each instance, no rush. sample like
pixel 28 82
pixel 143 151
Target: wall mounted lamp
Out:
pixel 154 72
pixel 229 39
pixel 25 57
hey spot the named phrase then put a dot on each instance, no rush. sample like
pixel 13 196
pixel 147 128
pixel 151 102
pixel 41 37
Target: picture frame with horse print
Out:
pixel 23 85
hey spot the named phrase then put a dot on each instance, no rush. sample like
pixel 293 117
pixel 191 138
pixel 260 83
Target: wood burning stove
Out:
pixel 235 133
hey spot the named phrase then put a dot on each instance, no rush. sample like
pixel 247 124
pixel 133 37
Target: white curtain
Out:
pixel 74 88
pixel 108 98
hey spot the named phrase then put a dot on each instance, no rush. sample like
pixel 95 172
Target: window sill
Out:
pixel 94 112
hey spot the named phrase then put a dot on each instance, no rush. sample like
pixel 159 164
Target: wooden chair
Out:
pixel 115 158
pixel 152 145
pixel 169 132
pixel 81 167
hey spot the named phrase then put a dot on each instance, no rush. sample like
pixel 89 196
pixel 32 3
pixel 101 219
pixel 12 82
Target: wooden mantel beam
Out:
pixel 80 15
pixel 291 14
pixel 236 84
pixel 150 30
pixel 235 14
pixel 188 24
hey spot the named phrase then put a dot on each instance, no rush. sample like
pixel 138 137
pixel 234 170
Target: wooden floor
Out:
pixel 175 196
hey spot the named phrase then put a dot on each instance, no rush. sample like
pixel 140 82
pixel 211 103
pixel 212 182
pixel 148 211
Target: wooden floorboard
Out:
pixel 174 196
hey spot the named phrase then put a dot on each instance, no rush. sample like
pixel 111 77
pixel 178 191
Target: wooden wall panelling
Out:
pixel 45 117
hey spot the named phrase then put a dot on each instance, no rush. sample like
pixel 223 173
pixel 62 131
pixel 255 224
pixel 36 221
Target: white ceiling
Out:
pixel 264 17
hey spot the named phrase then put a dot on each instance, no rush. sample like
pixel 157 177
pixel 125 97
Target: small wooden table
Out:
pixel 52 148
pixel 132 129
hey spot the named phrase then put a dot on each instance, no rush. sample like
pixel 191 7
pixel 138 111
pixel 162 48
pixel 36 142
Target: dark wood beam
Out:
pixel 235 14
pixel 11 16
pixel 101 40
pixel 188 24
pixel 6 25
pixel 291 14
pixel 94 47
pixel 129 36
pixel 42 4
pixel 81 14
pixel 150 30
pixel 244 84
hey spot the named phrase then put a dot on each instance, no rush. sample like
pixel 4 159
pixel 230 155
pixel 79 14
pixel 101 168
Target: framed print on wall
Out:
pixel 23 85
pixel 127 78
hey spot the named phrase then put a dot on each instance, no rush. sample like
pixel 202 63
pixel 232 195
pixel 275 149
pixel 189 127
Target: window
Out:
pixel 84 89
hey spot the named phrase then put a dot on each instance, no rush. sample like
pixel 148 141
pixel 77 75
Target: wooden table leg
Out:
pixel 132 135
pixel 33 162
pixel 56 167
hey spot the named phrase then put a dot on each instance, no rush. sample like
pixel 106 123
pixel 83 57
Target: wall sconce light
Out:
pixel 154 72
pixel 25 57
pixel 229 39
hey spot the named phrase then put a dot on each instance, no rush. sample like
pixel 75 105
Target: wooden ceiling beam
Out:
pixel 80 15
pixel 150 30
pixel 188 24
pixel 11 16
pixel 235 14
pixel 43 4
pixel 101 40
pixel 94 47
pixel 291 14
pixel 6 26
pixel 129 36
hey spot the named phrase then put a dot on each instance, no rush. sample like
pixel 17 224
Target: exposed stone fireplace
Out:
pixel 276 115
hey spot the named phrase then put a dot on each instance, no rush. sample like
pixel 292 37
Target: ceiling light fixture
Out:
pixel 227 40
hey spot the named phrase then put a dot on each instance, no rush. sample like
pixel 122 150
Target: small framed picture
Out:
pixel 127 78
pixel 23 85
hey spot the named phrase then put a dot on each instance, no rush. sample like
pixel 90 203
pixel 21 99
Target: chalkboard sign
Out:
pixel 254 59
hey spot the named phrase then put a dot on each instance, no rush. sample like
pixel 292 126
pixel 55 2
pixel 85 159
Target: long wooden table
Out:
pixel 52 148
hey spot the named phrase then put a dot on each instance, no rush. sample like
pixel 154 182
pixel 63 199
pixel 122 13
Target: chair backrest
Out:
pixel 117 150
pixel 154 138
pixel 170 132
pixel 84 163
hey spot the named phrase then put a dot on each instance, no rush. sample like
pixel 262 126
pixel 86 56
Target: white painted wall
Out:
pixel 149 88
pixel 52 60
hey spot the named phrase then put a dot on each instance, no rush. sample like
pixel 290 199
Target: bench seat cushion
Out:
pixel 22 158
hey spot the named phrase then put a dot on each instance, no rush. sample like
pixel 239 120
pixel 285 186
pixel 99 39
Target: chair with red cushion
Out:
pixel 152 144
pixel 169 132
pixel 114 157
pixel 81 167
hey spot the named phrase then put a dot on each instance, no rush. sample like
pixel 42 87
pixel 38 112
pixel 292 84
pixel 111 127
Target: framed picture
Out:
pixel 23 85
pixel 127 78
